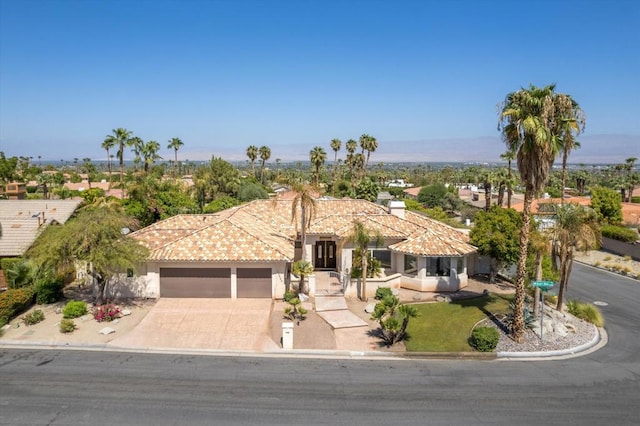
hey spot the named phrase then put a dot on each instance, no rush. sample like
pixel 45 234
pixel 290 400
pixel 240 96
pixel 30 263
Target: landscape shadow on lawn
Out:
pixel 446 327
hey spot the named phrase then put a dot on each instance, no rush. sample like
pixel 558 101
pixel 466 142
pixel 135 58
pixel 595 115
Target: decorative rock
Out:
pixel 395 291
pixel 58 310
pixel 303 297
pixel 107 330
pixel 126 312
pixel 370 308
pixel 441 298
pixel 417 297
pixel 572 328
pixel 85 317
pixel 560 329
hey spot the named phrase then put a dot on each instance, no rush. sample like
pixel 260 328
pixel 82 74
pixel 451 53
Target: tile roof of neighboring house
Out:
pixel 22 220
pixel 263 231
pixel 83 186
pixel 535 204
pixel 631 213
pixel 412 192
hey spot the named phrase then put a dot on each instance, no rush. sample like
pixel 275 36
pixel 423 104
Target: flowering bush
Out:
pixel 106 313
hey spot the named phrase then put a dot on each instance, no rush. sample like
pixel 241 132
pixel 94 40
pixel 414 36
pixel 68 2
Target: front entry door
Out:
pixel 325 255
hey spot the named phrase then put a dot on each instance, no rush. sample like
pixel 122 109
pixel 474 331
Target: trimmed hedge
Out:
pixel 74 309
pixel 484 339
pixel 620 233
pixel 14 301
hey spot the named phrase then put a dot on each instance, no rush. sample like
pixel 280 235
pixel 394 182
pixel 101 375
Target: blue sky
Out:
pixel 423 77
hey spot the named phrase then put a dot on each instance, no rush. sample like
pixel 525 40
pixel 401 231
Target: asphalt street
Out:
pixel 57 387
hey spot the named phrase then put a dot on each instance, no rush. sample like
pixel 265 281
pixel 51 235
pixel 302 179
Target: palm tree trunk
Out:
pixel 518 314
pixel 487 196
pixel 364 274
pixel 565 154
pixel 175 165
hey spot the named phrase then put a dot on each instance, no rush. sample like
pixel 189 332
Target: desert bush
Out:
pixel 529 319
pixel 74 309
pixel 67 326
pixel 14 301
pixel 586 311
pixel 33 318
pixel 48 289
pixel 381 292
pixel 620 233
pixel 484 339
pixel 106 313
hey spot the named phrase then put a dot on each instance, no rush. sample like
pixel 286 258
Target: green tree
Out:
pixel 632 178
pixel 149 152
pixel 121 137
pixel 317 156
pixel 108 144
pixel 336 144
pixel 369 144
pixel 528 120
pixel 222 203
pixel 302 269
pixel 575 228
pixel 607 204
pixel 361 236
pixel 250 191
pixel 495 233
pixel 252 153
pixel 366 189
pixel 175 144
pixel 393 318
pixel 265 154
pixel 93 237
pixel 303 210
pixel 137 144
pixel 351 147
pixel 433 195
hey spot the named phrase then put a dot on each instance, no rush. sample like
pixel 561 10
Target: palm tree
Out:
pixel 576 227
pixel 567 126
pixel 509 156
pixel 336 144
pixel 252 153
pixel 317 156
pixel 351 147
pixel 488 176
pixel 632 178
pixel 303 269
pixel 175 144
pixel 265 154
pixel 149 152
pixel 528 122
pixel 120 138
pixel 107 144
pixel 361 236
pixel 304 205
pixel 369 144
pixel 136 145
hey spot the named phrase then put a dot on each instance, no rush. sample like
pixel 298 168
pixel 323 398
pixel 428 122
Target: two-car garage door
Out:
pixel 215 282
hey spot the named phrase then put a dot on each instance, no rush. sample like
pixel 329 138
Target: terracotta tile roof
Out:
pixel 263 231
pixel 535 204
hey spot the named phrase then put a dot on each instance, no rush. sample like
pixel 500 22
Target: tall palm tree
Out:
pixel 149 152
pixel 175 144
pixel 336 144
pixel 351 147
pixel 361 236
pixel 252 153
pixel 576 228
pixel 370 144
pixel 303 210
pixel 528 121
pixel 509 156
pixel 109 143
pixel 317 156
pixel 632 177
pixel 120 138
pixel 136 145
pixel 265 154
pixel 569 127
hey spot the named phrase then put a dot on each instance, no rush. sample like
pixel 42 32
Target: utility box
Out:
pixel 287 335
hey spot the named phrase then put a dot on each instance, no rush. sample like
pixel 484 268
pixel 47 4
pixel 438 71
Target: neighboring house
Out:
pixel 399 183
pixel 23 220
pixel 542 208
pixel 247 251
pixel 412 192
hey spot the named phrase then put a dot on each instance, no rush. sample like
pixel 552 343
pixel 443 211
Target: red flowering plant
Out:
pixel 106 313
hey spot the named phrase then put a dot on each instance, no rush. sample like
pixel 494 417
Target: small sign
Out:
pixel 543 285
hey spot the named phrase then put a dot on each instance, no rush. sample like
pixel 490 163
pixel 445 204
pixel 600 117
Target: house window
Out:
pixel 410 264
pixel 460 265
pixel 384 256
pixel 438 266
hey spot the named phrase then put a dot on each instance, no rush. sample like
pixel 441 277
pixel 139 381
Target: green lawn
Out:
pixel 445 327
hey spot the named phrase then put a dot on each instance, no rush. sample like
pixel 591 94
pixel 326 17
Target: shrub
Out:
pixel 74 309
pixel 18 272
pixel 14 301
pixel 586 311
pixel 48 290
pixel 381 292
pixel 289 295
pixel 529 319
pixel 67 326
pixel 106 313
pixel 33 318
pixel 484 339
pixel 620 233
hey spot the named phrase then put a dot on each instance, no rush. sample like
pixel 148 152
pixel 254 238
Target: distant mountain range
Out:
pixel 595 149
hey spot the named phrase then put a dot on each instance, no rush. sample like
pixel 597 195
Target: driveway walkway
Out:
pixel 230 324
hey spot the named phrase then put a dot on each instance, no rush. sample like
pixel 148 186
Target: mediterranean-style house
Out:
pixel 248 251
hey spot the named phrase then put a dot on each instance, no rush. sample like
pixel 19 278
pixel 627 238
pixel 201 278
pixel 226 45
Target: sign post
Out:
pixel 543 286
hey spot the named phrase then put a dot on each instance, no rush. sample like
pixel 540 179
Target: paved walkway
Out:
pixel 334 310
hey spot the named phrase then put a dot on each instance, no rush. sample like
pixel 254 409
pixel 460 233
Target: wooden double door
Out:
pixel 325 255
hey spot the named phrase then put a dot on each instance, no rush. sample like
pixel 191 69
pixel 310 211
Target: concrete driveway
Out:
pixel 228 324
